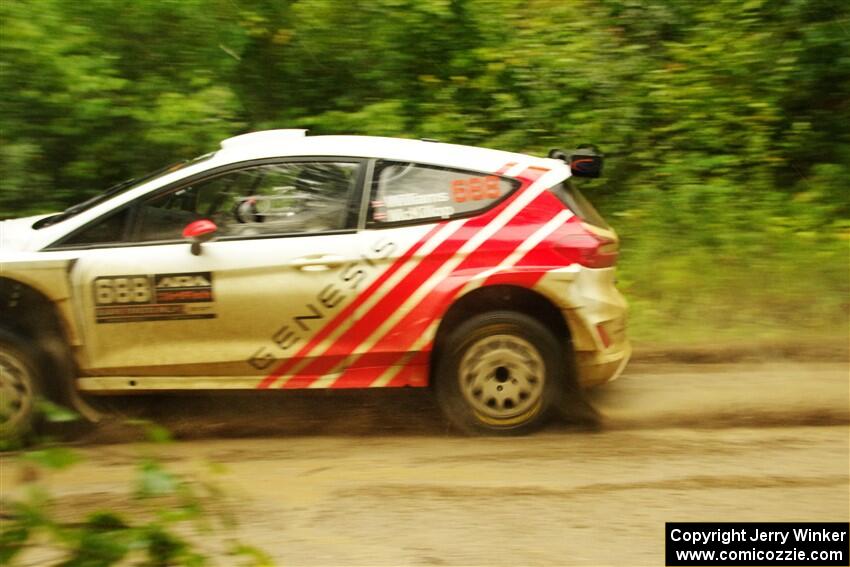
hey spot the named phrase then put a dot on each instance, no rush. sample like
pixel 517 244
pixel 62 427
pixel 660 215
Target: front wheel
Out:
pixel 19 386
pixel 500 373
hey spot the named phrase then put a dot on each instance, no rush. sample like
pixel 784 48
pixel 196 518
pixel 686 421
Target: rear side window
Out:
pixel 412 193
pixel 579 204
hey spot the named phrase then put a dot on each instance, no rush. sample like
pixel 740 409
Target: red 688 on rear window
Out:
pixel 475 189
pixel 408 192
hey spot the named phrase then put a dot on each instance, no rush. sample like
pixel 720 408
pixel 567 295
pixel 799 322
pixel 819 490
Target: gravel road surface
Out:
pixel 373 478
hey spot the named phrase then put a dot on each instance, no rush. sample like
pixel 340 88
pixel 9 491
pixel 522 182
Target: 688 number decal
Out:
pixel 475 189
pixel 153 297
pixel 122 290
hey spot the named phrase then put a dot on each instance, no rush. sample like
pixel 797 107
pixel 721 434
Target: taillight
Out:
pixel 603 335
pixel 589 249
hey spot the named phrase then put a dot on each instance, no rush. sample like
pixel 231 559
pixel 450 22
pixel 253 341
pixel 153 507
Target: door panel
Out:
pixel 368 290
pixel 286 232
pixel 159 309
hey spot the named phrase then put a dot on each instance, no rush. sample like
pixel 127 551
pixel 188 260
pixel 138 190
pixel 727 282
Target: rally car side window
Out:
pixel 408 193
pixel 109 229
pixel 265 199
pixel 269 199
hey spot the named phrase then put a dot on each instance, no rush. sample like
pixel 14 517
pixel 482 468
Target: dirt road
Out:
pixel 360 479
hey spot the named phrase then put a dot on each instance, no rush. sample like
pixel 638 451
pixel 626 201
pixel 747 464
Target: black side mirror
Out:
pixel 586 161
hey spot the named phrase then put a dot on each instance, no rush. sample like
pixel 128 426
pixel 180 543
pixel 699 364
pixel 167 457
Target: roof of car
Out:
pixel 275 143
pixel 286 143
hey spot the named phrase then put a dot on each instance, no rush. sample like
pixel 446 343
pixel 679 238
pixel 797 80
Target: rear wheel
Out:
pixel 20 384
pixel 500 373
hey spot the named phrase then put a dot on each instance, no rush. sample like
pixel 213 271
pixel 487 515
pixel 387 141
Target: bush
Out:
pixel 171 519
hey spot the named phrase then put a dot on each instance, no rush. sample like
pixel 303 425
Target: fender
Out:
pixel 529 279
pixel 50 278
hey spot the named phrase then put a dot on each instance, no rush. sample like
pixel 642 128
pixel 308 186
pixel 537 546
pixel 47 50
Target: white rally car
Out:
pixel 291 261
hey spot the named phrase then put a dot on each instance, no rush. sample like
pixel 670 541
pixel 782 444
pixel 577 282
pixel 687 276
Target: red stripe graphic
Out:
pixel 529 269
pixel 411 368
pixel 412 374
pixel 400 338
pixel 347 312
pixel 351 338
pixel 363 327
pixel 354 336
pixel 406 331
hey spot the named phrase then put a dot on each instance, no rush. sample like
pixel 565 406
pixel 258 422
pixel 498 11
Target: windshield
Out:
pixel 116 189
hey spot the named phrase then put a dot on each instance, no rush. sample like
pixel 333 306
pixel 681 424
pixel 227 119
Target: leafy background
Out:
pixel 725 123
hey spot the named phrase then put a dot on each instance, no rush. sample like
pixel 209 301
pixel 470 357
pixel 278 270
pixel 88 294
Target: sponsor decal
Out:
pixel 415 199
pixel 412 206
pixel 157 297
pixel 416 213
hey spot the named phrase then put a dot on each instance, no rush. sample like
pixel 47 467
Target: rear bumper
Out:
pixel 596 314
pixel 595 368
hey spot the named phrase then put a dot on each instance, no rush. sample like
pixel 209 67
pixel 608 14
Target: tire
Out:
pixel 20 386
pixel 500 373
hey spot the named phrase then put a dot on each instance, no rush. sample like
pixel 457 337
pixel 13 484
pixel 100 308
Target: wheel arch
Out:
pixel 28 313
pixel 501 297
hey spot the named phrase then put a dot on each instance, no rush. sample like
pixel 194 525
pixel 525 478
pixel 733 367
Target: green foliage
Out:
pixel 153 532
pixel 724 123
pixel 54 458
pixel 55 413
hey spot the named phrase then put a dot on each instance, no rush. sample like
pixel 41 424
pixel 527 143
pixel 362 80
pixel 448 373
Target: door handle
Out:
pixel 317 262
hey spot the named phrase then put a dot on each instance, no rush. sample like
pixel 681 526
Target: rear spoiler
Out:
pixel 585 161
